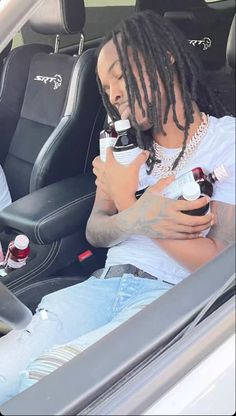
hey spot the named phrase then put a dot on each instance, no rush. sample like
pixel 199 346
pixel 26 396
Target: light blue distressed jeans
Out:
pixel 79 315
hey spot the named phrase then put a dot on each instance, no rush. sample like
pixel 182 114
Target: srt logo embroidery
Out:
pixel 56 80
pixel 205 42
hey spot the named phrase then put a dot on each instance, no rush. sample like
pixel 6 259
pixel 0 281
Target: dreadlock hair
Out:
pixel 156 40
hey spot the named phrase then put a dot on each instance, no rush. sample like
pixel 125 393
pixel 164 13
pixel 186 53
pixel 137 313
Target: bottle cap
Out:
pixel 191 191
pixel 221 173
pixel 21 241
pixel 122 125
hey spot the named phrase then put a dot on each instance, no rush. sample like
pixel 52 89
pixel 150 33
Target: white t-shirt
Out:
pixel 5 197
pixel 217 147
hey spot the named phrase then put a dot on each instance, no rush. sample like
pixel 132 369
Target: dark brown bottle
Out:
pixel 126 149
pixel 198 174
pixel 126 139
pixel 174 190
pixel 109 131
pixel 190 192
pixel 206 183
pixel 107 138
pixel 206 187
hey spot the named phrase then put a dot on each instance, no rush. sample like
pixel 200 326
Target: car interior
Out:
pixel 4 53
pixel 50 134
pixel 46 149
pixel 199 22
pixel 49 138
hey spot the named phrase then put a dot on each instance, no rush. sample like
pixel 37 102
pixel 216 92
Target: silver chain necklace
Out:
pixel 164 168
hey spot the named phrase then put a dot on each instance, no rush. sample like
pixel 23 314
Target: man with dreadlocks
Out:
pixel 146 73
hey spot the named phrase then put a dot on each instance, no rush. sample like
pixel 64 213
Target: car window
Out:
pixel 101 17
pixel 17 40
pixel 212 1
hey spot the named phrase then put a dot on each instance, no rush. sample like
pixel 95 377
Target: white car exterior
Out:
pixel 200 392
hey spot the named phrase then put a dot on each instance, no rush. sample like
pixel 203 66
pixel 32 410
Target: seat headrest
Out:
pixel 230 50
pixel 58 17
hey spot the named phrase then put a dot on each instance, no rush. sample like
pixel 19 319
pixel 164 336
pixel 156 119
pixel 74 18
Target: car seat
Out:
pixel 230 51
pixel 50 106
pixel 32 294
pixel 4 54
pixel 223 81
pixel 51 113
pixel 207 33
pixel 230 58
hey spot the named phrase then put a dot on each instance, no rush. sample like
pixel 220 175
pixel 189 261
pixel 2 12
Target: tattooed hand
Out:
pixel 158 217
pixel 119 182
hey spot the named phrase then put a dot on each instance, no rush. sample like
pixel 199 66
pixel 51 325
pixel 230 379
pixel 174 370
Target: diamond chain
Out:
pixel 164 168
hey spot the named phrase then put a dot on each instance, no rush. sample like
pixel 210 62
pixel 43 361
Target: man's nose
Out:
pixel 115 95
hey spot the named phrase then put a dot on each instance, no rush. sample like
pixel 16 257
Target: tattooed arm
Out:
pixel 193 254
pixel 152 215
pixel 102 227
pixel 117 214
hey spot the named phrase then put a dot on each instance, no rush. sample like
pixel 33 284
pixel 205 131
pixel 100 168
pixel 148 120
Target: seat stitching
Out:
pixel 55 247
pixel 58 210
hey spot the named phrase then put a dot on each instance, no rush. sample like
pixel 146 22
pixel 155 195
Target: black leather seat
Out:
pixel 50 107
pixel 51 114
pixel 4 54
pixel 231 46
pixel 208 38
pixel 32 294
pixel 223 81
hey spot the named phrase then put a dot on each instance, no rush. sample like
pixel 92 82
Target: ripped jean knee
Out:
pixel 20 347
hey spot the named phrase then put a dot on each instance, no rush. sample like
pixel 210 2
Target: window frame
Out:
pixel 104 375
